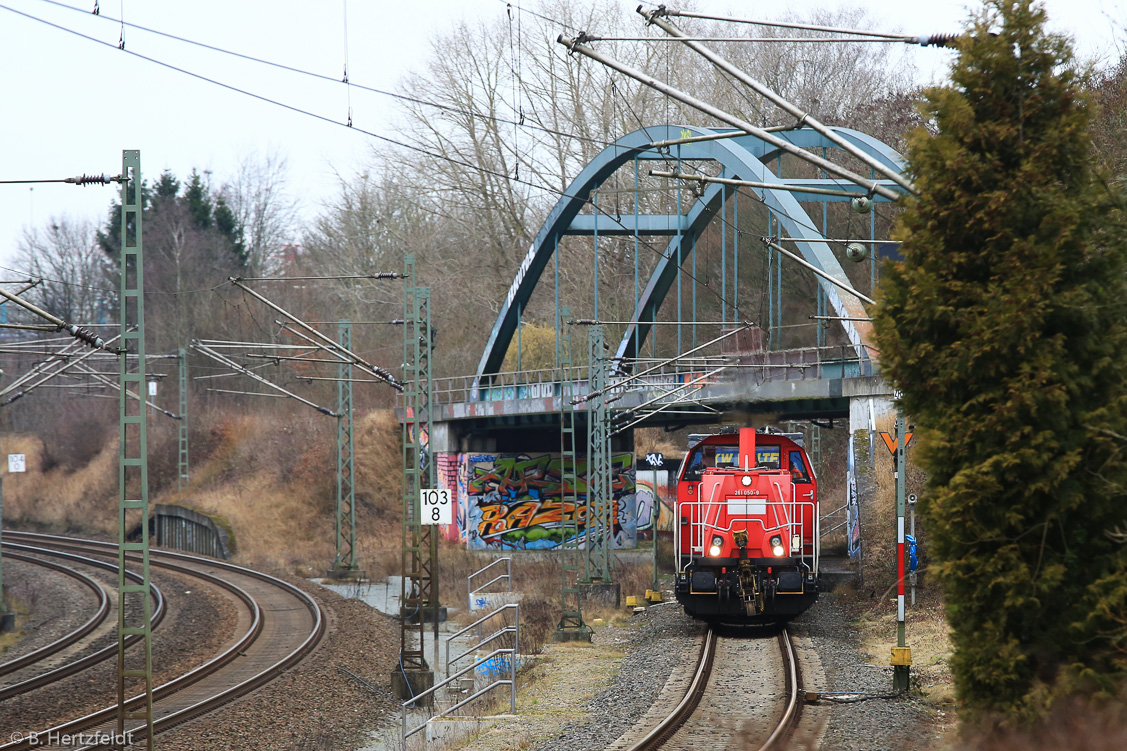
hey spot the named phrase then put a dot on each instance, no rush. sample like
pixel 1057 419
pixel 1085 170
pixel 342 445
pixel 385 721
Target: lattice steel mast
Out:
pixel 600 504
pixel 345 560
pixel 419 559
pixel 571 610
pixel 133 600
pixel 182 477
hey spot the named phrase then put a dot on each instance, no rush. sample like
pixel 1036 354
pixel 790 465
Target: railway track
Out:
pixel 26 662
pixel 742 694
pixel 279 626
pixel 19 663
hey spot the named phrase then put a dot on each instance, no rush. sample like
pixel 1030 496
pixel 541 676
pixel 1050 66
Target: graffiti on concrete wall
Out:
pixel 655 495
pixel 514 501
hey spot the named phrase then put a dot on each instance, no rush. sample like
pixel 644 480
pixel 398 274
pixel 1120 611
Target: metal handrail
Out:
pixel 478 622
pixel 794 522
pixel 470 591
pixel 480 589
pixel 450 679
pixel 469 388
pixel 514 630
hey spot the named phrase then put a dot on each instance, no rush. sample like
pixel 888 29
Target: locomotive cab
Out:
pixel 747 532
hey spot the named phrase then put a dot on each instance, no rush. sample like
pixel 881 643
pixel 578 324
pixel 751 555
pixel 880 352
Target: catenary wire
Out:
pixel 408 146
pixel 347 79
pixel 323 118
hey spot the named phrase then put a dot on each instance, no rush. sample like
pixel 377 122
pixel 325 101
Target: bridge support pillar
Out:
pixel 572 634
pixel 346 574
pixel 601 593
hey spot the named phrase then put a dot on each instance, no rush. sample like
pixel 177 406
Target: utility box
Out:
pixel 901 656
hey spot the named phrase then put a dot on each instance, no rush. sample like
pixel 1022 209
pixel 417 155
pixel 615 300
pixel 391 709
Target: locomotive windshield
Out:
pixel 710 455
pixel 768 456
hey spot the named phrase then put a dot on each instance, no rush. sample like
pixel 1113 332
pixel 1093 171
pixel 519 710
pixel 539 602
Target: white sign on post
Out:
pixel 435 506
pixel 16 463
pixel 152 388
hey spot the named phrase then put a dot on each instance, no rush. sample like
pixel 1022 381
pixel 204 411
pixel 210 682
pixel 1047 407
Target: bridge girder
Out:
pixel 742 157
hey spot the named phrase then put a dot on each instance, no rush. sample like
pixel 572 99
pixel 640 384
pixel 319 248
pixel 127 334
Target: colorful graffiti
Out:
pixel 448 469
pixel 513 501
pixel 655 496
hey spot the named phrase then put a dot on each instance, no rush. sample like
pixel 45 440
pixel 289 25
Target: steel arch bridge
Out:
pixel 740 157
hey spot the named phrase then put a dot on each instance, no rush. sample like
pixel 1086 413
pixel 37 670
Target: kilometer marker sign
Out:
pixel 435 506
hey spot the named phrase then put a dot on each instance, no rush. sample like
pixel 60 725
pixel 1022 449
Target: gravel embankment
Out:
pixel 57 605
pixel 583 698
pixel 315 705
pixel 876 724
pixel 578 697
pixel 656 642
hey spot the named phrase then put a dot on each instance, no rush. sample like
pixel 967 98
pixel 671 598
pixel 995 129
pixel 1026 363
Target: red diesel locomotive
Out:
pixel 746 530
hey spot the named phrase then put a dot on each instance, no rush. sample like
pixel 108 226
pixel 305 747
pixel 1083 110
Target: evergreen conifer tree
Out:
pixel 1004 327
pixel 198 197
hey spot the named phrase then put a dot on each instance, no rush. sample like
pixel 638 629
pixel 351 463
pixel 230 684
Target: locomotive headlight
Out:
pixel 745 480
pixel 777 546
pixel 796 542
pixel 714 549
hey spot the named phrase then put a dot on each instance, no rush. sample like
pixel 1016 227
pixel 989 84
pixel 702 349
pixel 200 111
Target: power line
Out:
pixel 411 147
pixel 323 118
pixel 346 80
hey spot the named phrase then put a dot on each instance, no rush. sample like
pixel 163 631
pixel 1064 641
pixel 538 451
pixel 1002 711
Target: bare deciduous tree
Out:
pixel 78 279
pixel 264 209
pixel 502 118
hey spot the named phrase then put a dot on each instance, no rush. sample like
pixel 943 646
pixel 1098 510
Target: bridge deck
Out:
pixel 810 382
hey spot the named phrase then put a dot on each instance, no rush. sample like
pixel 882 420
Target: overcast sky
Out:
pixel 69 105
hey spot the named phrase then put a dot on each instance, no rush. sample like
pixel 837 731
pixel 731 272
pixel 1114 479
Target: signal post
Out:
pixel 901 653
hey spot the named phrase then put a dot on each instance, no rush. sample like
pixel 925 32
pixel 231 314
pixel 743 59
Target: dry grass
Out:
pixel 537 577
pixel 656 439
pixel 928 635
pixel 272 477
pixel 1074 726
pixel 52 496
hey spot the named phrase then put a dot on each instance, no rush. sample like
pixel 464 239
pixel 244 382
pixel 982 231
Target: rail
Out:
pixel 508 576
pixel 688 704
pixel 790 715
pixel 780 365
pixel 71 637
pixel 80 664
pixel 175 715
pixel 657 736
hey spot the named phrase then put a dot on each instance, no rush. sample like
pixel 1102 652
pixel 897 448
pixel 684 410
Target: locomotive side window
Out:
pixel 798 467
pixel 695 464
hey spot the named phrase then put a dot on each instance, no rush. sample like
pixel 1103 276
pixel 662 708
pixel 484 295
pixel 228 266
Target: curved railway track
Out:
pixel 281 625
pixel 721 699
pixel 81 663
